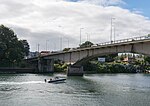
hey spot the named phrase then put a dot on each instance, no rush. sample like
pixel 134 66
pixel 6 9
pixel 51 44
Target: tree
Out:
pixel 12 50
pixel 25 46
pixel 122 57
pixel 147 59
pixel 66 49
pixel 111 57
pixel 86 44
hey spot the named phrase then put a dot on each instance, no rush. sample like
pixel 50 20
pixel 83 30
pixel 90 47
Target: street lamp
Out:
pixel 46 44
pixel 114 33
pixel 60 42
pixel 111 29
pixel 38 48
pixel 61 37
pixel 88 36
pixel 54 45
pixel 67 41
pixel 80 35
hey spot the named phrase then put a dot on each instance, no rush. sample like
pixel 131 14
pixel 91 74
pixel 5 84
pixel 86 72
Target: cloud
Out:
pixel 39 21
pixel 101 2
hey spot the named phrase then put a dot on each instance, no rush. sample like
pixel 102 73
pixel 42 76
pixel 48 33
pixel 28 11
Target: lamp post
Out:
pixel 60 42
pixel 61 38
pixel 80 35
pixel 114 33
pixel 54 44
pixel 88 36
pixel 67 41
pixel 46 44
pixel 111 29
pixel 38 48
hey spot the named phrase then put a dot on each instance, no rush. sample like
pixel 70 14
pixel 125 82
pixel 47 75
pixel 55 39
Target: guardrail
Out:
pixel 124 40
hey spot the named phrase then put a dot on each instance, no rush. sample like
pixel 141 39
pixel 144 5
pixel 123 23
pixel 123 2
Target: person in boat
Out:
pixel 50 79
pixel 56 77
pixel 45 80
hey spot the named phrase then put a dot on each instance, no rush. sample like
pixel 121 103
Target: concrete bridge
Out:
pixel 77 57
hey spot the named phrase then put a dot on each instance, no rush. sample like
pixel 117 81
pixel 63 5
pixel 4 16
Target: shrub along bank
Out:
pixel 98 67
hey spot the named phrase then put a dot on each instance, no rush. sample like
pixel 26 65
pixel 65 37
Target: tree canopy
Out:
pixel 66 49
pixel 86 44
pixel 12 50
pixel 147 59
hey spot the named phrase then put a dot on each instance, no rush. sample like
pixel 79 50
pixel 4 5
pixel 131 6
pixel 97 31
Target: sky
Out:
pixel 56 24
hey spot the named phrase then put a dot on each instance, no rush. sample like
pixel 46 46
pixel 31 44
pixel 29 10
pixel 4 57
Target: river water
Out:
pixel 90 90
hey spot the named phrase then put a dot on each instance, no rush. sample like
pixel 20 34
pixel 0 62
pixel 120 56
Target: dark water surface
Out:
pixel 90 90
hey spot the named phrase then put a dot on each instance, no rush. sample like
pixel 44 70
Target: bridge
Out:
pixel 78 56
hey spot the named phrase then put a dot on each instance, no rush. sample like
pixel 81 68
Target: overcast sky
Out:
pixel 47 21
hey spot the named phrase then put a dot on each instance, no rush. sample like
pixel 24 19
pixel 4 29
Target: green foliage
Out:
pixel 64 67
pixel 66 49
pixel 121 58
pixel 91 66
pixel 12 50
pixel 25 46
pixel 86 44
pixel 57 67
pixel 60 66
pixel 147 59
pixel 109 68
pixel 111 57
pixel 23 64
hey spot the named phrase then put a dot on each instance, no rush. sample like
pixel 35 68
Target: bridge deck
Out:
pixel 102 45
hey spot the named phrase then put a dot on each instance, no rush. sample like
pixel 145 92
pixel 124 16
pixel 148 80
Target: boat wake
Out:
pixel 19 83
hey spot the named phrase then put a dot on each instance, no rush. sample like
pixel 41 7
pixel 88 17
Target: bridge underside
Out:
pixel 43 65
pixel 86 55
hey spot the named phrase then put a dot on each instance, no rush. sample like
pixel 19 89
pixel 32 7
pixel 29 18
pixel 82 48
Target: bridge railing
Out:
pixel 124 40
pixel 113 42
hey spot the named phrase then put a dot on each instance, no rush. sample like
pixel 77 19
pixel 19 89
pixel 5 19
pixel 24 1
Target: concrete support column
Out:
pixel 50 66
pixel 75 70
pixel 46 65
pixel 39 65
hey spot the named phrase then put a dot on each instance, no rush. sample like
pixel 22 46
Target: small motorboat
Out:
pixel 56 79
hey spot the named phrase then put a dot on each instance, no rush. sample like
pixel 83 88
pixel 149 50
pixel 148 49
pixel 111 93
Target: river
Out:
pixel 89 90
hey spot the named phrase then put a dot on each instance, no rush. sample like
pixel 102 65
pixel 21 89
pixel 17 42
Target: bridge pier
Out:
pixel 75 70
pixel 45 65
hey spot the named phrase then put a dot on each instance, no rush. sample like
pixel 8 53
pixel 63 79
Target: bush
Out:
pixel 109 68
pixel 60 67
